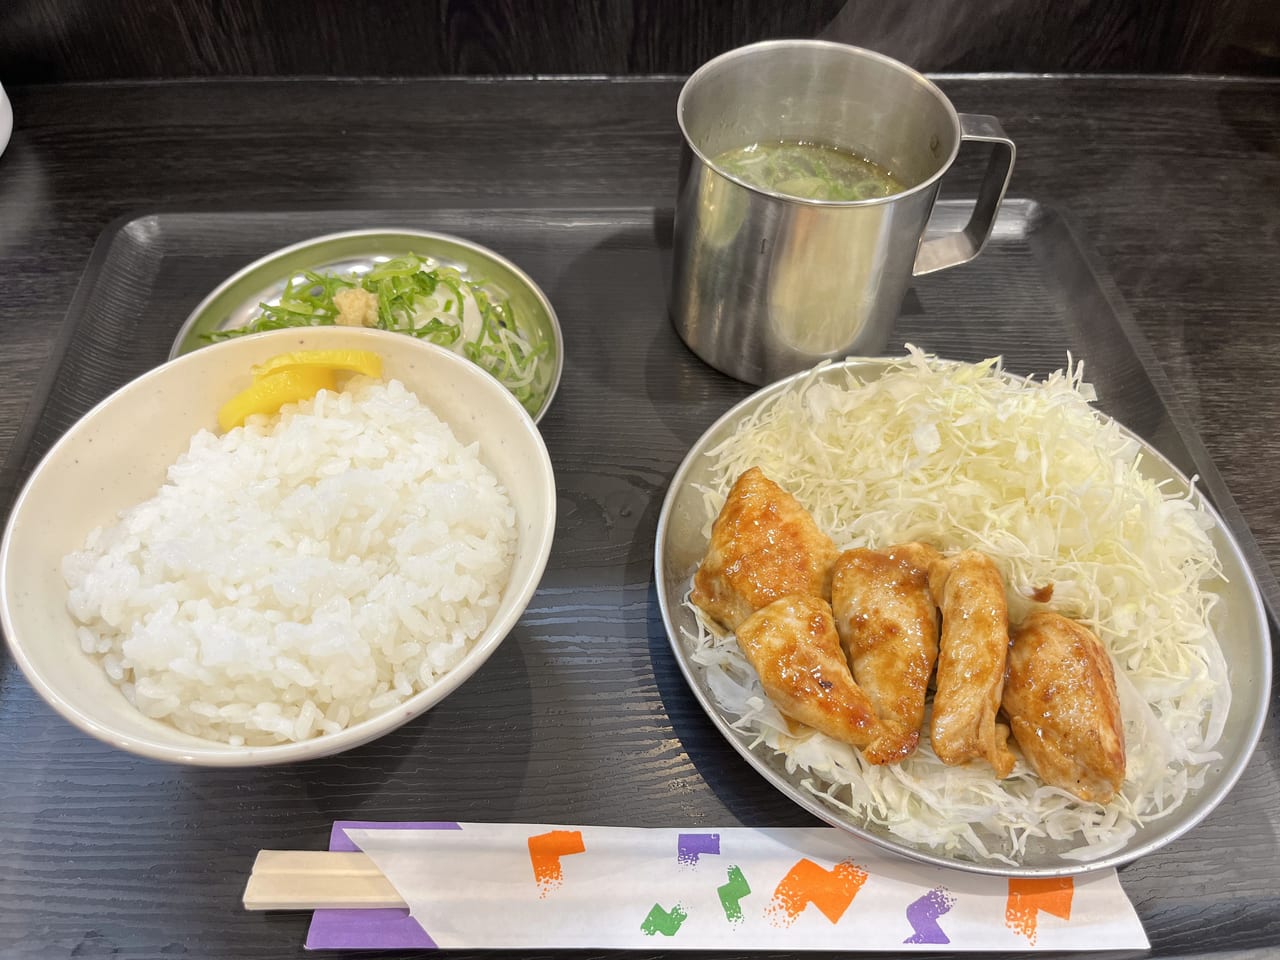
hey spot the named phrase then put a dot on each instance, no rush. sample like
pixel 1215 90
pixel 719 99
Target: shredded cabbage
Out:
pixel 968 456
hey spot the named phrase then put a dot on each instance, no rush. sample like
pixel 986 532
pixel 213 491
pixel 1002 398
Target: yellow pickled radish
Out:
pixel 353 361
pixel 270 393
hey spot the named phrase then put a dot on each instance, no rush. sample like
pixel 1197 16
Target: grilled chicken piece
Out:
pixel 918 555
pixel 888 626
pixel 1060 697
pixel 794 647
pixel 971 661
pixel 764 546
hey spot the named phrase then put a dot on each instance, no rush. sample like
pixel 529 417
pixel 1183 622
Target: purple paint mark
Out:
pixel 386 929
pixel 690 846
pixel 923 916
pixel 366 930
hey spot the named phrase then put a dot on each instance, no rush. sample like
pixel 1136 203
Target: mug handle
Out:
pixel 959 246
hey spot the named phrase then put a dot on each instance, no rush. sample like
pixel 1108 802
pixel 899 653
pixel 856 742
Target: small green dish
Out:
pixel 236 301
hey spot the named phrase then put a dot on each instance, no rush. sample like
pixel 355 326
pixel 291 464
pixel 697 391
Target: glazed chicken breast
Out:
pixel 1060 698
pixel 764 546
pixel 888 627
pixel 793 645
pixel 972 651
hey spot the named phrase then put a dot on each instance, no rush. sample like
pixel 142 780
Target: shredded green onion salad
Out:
pixel 434 303
pixel 964 455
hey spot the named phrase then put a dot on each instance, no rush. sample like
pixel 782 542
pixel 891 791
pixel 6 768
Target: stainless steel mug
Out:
pixel 765 285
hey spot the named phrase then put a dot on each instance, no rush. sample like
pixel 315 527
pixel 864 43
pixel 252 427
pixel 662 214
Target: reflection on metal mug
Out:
pixel 765 284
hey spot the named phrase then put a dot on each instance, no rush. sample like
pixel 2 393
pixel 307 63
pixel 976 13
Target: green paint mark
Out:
pixel 660 921
pixel 731 895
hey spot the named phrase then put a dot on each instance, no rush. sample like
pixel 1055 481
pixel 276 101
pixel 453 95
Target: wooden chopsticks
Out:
pixel 317 880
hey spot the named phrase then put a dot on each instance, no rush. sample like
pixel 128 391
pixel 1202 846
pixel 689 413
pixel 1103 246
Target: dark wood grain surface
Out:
pixel 1175 184
pixel 61 40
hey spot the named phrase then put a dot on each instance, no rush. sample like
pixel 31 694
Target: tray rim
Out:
pixel 18 456
pixel 1208 475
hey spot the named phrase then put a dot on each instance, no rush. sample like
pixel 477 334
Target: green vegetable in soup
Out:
pixel 809 171
pixel 435 303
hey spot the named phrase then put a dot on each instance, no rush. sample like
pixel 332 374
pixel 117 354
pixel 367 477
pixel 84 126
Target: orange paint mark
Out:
pixel 831 891
pixel 1028 897
pixel 545 851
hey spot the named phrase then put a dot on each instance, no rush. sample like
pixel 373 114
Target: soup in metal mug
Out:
pixel 777 269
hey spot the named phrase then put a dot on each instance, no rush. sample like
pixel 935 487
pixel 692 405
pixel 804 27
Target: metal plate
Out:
pixel 1242 632
pixel 236 301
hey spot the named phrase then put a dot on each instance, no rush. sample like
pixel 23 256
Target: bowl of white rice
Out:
pixel 287 589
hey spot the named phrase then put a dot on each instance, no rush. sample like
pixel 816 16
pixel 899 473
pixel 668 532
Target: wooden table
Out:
pixel 1174 182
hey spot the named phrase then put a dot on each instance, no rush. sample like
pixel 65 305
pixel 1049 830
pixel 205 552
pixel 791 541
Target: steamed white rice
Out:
pixel 300 573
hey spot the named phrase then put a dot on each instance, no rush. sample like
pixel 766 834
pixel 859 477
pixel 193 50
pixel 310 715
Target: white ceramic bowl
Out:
pixel 116 456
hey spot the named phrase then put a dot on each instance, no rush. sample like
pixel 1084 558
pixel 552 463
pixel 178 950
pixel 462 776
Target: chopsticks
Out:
pixel 317 880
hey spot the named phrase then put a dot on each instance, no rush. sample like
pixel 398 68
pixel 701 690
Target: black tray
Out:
pixel 582 715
